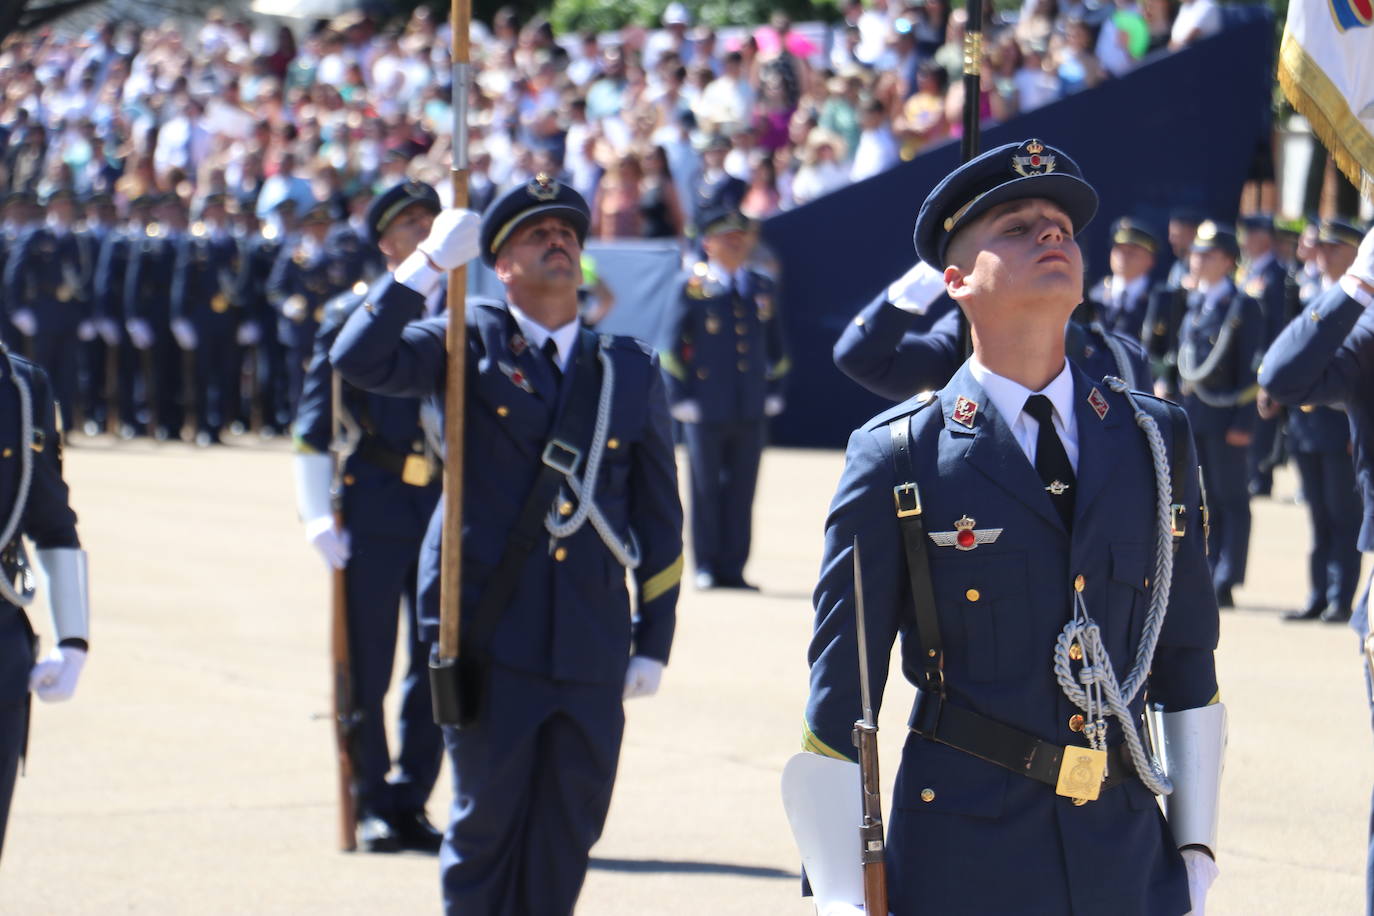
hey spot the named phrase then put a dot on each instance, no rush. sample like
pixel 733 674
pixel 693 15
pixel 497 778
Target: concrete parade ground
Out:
pixel 194 770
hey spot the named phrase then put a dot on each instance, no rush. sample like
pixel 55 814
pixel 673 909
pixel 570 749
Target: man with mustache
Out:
pixel 568 462
pixel 1020 529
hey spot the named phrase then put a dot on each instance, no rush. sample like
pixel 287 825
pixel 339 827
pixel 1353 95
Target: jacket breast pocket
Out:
pixel 1127 601
pixel 985 613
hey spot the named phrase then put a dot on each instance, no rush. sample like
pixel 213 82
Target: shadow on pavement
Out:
pixel 697 868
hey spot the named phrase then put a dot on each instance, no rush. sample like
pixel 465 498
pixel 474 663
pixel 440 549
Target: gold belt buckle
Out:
pixel 1081 774
pixel 416 471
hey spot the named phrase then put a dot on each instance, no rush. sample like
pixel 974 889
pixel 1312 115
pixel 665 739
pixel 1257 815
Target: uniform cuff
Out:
pixel 1352 288
pixel 417 274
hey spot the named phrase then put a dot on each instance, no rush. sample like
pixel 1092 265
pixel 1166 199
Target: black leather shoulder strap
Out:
pixel 907 500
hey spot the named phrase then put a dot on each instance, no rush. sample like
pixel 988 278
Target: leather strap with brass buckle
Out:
pixel 908 499
pixel 562 457
pixel 416 471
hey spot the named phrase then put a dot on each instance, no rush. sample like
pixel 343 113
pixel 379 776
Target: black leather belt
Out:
pixel 414 469
pixel 1008 747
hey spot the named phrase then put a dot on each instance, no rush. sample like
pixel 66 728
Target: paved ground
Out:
pixel 194 772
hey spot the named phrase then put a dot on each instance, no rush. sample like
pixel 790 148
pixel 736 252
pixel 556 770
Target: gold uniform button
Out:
pixel 503 411
pixel 743 365
pixel 702 373
pixel 859 321
pixel 612 443
pixel 1079 582
pixel 6 453
pixel 349 480
pixel 1147 581
pixel 742 346
pixel 741 328
pixel 1075 723
pixel 369 307
pixel 972 594
pixel 1314 316
pixel 927 795
pixel 560 554
pixel 1076 652
pixel 565 508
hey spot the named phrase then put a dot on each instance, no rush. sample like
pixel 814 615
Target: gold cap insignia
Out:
pixel 1207 231
pixel 1031 159
pixel 542 187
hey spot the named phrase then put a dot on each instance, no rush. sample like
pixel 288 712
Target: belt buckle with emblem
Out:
pixel 1081 774
pixel 416 471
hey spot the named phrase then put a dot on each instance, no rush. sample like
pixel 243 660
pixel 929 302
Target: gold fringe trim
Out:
pixel 1316 98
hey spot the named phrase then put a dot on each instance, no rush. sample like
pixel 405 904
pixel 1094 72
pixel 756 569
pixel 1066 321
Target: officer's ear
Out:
pixel 956 282
pixel 502 268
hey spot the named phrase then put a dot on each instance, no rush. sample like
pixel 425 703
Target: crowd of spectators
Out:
pixel 633 119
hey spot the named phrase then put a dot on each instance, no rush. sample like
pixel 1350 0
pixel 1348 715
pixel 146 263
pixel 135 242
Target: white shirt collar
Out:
pixel 1010 400
pixel 718 272
pixel 565 337
pixel 1131 287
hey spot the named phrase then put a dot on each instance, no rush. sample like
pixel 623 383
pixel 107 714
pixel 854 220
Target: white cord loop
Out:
pixel 583 487
pixel 1114 346
pixel 1096 690
pixel 1190 372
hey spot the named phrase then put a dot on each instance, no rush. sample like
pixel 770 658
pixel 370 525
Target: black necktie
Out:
pixel 1051 461
pixel 551 354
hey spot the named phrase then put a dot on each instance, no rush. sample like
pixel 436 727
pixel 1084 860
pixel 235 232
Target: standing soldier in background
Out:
pixel 101 222
pixel 1122 298
pixel 34 505
pixel 1264 279
pixel 205 317
pixel 261 250
pixel 725 361
pixel 1219 348
pixel 391 484
pixel 1319 439
pixel 305 277
pixel 148 316
pixel 111 317
pixel 1326 356
pixel 46 278
pixel 19 207
pixel 1168 303
pixel 557 509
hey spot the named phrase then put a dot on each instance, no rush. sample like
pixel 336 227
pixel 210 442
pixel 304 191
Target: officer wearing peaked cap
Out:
pixel 391 485
pixel 1219 346
pixel 533 773
pixel 1264 279
pixel 1326 356
pixel 1009 527
pixel 725 362
pixel 261 251
pixel 148 316
pixel 1121 299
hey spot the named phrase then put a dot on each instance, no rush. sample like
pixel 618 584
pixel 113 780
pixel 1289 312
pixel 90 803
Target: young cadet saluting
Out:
pixel 533 774
pixel 1016 531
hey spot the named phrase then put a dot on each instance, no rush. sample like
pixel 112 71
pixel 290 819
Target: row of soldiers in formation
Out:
pixel 1196 337
pixel 160 322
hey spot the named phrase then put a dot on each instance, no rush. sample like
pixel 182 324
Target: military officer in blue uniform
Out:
pixel 1326 356
pixel 881 350
pixel 1169 302
pixel 532 775
pixel 725 362
pixel 17 220
pixel 205 316
pixel 148 316
pixel 1011 533
pixel 1220 343
pixel 1264 279
pixel 34 505
pixel 306 276
pixel 94 394
pixel 47 277
pixel 1121 299
pixel 110 316
pixel 261 249
pixel 391 484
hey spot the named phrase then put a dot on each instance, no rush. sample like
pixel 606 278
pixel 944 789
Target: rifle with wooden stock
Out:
pixel 341 660
pixel 873 850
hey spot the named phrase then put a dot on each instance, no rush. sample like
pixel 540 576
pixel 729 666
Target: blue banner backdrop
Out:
pixel 1179 131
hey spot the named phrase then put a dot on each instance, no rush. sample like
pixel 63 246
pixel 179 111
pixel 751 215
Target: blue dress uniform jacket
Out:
pixel 148 296
pixel 1268 283
pixel 533 777
pixel 111 272
pixel 957 819
pixel 385 518
pixel 204 287
pixel 260 253
pixel 298 287
pixel 49 522
pixel 880 351
pixel 1125 318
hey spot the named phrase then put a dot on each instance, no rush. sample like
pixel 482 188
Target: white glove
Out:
pixel 54 677
pixel 1202 871
pixel 108 331
pixel 328 540
pixel 773 405
pixel 85 331
pixel 686 412
pixel 140 335
pixel 453 239
pixel 185 333
pixel 840 908
pixel 1362 269
pixel 248 334
pixel 24 322
pixel 916 289
pixel 642 677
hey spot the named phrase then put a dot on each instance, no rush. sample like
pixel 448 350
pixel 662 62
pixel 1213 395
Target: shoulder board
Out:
pixel 625 343
pixel 907 408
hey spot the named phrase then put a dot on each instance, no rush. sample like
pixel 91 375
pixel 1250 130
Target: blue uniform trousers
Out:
pixel 724 462
pixel 1228 502
pixel 57 354
pixel 1261 456
pixel 216 380
pixel 16 660
pixel 531 787
pixel 1333 508
pixel 380 576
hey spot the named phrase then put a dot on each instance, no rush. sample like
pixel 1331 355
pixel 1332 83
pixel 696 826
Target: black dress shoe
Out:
pixel 736 582
pixel 414 831
pixel 1311 613
pixel 1224 599
pixel 705 581
pixel 375 834
pixel 1336 615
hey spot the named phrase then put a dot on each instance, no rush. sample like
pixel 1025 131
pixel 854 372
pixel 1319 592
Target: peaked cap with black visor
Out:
pixel 542 195
pixel 1014 171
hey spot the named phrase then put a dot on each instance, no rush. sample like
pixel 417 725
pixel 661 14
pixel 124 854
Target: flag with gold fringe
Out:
pixel 1326 68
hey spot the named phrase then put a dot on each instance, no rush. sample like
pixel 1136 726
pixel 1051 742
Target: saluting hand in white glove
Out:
pixel 54 677
pixel 915 290
pixel 642 677
pixel 453 239
pixel 332 543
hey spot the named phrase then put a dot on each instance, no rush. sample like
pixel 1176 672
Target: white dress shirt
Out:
pixel 1010 400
